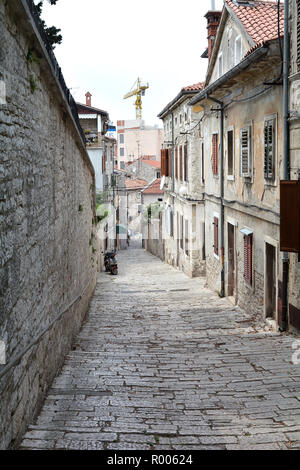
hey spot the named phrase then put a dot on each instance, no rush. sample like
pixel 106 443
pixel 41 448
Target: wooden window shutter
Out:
pixel 269 149
pixel 176 162
pixel 162 169
pixel 216 236
pixel 248 259
pixel 245 149
pixel 185 163
pixel 215 154
pixel 163 162
pixel 170 162
pixel 180 163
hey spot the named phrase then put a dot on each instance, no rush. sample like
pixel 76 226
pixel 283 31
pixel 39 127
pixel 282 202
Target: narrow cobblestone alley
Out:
pixel 164 363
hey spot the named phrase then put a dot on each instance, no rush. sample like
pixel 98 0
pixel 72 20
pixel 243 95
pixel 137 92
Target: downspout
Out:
pixel 286 158
pixel 173 174
pixel 221 110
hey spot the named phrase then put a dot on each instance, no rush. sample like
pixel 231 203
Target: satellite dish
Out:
pixel 162 182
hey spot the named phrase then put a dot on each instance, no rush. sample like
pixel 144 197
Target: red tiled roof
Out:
pixel 154 188
pixel 259 20
pixel 135 184
pixel 196 87
pixel 154 163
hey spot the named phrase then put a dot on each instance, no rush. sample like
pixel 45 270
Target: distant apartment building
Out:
pixel 135 140
pixel 101 148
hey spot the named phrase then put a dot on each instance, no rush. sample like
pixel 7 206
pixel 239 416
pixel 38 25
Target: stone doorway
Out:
pixel 231 261
pixel 270 281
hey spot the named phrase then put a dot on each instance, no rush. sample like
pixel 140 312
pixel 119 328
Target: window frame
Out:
pixel 249 174
pixel 216 235
pixel 215 154
pixel 230 177
pixel 270 180
pixel 248 260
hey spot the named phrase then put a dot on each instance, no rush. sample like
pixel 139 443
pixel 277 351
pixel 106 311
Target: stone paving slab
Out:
pixel 163 363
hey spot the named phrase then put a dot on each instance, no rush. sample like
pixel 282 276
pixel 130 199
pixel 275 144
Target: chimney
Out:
pixel 213 20
pixel 88 97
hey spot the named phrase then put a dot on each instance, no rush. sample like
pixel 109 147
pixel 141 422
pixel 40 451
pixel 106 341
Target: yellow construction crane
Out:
pixel 139 90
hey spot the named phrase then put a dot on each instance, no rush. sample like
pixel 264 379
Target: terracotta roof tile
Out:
pixel 196 87
pixel 154 163
pixel 154 188
pixel 135 184
pixel 259 20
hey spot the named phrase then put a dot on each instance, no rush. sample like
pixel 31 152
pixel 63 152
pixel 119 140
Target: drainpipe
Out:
pixel 173 174
pixel 221 110
pixel 286 158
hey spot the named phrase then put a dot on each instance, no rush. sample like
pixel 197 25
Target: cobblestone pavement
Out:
pixel 164 363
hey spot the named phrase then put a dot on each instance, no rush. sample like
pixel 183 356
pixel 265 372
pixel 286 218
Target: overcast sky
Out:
pixel 108 44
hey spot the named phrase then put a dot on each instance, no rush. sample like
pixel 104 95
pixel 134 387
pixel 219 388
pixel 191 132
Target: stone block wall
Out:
pixel 48 241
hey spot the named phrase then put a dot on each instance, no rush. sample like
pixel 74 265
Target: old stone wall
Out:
pixel 48 243
pixel 154 242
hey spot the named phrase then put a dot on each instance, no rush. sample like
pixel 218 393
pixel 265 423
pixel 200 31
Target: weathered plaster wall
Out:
pixel 48 245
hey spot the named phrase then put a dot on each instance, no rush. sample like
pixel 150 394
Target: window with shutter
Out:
pixel 180 163
pixel 248 258
pixel 230 163
pixel 245 149
pixel 163 162
pixel 185 163
pixel 269 149
pixel 215 154
pixel 176 162
pixel 170 169
pixel 216 236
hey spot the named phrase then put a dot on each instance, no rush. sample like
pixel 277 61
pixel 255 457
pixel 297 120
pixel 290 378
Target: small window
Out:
pixel 248 255
pixel 158 174
pixel 237 50
pixel 176 121
pixel 121 138
pixel 215 154
pixel 245 152
pixel 122 165
pixel 122 152
pixel 269 149
pixel 185 163
pixel 230 153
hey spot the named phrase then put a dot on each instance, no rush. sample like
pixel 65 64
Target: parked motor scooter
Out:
pixel 110 262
